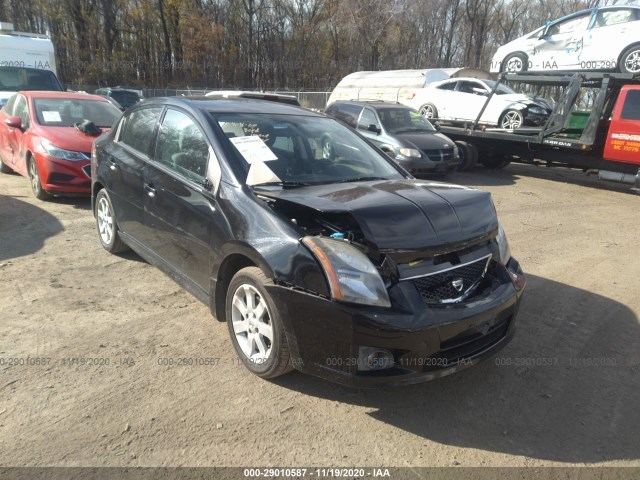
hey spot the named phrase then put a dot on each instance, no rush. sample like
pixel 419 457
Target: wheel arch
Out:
pixel 623 51
pixel 239 257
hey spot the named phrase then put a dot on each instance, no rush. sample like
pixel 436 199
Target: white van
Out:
pixel 396 85
pixel 27 62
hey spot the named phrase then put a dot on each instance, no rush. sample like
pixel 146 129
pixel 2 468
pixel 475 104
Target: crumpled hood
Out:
pixel 68 138
pixel 404 215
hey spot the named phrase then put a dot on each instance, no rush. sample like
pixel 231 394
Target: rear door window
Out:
pixel 139 128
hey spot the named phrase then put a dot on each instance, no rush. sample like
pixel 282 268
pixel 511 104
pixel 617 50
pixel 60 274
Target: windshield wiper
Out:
pixel 413 129
pixel 360 179
pixel 283 184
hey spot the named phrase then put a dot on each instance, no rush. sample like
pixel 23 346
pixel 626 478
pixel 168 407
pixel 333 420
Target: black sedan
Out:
pixel 343 267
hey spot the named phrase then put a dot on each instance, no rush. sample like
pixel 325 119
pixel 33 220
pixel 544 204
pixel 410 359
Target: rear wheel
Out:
pixel 516 62
pixel 4 168
pixel 429 111
pixel 36 185
pixel 107 225
pixel 254 324
pixel 511 119
pixel 630 60
pixel 468 155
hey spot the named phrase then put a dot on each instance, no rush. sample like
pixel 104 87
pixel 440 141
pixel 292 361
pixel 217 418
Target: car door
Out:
pixel 5 130
pixel 443 97
pixel 610 32
pixel 561 44
pixel 468 100
pixel 179 197
pixel 367 118
pixel 125 160
pixel 14 136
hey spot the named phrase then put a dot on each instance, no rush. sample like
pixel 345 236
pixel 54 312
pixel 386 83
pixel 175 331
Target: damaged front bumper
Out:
pixel 335 341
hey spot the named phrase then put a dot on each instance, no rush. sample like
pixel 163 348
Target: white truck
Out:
pixel 27 62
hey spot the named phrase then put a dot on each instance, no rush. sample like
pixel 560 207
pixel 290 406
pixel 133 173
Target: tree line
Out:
pixel 284 44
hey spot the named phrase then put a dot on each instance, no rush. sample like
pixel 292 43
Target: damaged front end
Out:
pixel 398 315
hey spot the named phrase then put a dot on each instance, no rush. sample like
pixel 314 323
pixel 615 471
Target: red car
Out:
pixel 44 136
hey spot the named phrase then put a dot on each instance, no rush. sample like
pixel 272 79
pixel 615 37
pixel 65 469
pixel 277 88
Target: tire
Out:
pixel 429 111
pixel 468 155
pixel 495 162
pixel 36 185
pixel 516 62
pixel 630 60
pixel 107 224
pixel 511 119
pixel 263 356
pixel 4 168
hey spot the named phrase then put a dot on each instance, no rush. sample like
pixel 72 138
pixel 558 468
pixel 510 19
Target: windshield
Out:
pixel 14 79
pixel 303 150
pixel 64 112
pixel 403 120
pixel 502 89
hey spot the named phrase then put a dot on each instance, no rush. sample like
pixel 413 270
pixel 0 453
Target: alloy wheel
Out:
pixel 252 323
pixel 105 221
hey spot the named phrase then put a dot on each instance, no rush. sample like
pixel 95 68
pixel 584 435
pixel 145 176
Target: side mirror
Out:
pixel 14 122
pixel 374 129
pixel 436 125
pixel 480 91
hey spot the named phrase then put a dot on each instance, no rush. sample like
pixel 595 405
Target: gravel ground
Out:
pixel 564 392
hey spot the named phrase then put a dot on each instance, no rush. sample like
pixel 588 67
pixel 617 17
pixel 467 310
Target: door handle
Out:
pixel 112 165
pixel 150 190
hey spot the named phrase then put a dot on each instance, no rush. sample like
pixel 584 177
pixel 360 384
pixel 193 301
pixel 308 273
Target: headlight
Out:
pixel 537 111
pixel 61 153
pixel 503 246
pixel 410 152
pixel 351 275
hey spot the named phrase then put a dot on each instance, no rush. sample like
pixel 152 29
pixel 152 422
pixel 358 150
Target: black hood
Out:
pixel 426 141
pixel 404 215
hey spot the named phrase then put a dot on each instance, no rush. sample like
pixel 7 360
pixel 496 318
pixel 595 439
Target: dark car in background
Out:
pixel 124 97
pixel 401 132
pixel 344 267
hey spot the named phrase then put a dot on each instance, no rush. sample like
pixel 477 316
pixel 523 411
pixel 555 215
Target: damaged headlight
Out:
pixel 537 111
pixel 503 246
pixel 351 275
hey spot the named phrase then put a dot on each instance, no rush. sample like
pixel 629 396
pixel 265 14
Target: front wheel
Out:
pixel 468 155
pixel 630 60
pixel 107 225
pixel 36 185
pixel 254 324
pixel 511 120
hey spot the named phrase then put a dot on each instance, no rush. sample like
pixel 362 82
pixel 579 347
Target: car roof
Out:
pixel 61 95
pixel 375 103
pixel 232 105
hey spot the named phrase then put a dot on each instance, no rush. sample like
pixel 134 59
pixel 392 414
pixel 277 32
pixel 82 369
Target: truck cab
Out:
pixel 623 136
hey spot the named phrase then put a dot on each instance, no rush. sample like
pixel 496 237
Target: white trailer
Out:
pixel 395 85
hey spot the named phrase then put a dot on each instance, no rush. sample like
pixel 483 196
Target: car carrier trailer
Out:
pixel 605 137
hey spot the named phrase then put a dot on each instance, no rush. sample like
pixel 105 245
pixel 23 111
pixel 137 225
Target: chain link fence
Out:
pixel 311 100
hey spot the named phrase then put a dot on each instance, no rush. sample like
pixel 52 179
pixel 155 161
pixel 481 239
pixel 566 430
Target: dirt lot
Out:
pixel 566 391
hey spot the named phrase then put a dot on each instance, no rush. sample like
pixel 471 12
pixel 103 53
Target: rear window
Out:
pixel 15 79
pixel 139 128
pixel 631 108
pixel 126 99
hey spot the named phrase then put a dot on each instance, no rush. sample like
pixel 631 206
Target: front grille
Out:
pixel 451 285
pixel 87 170
pixel 439 155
